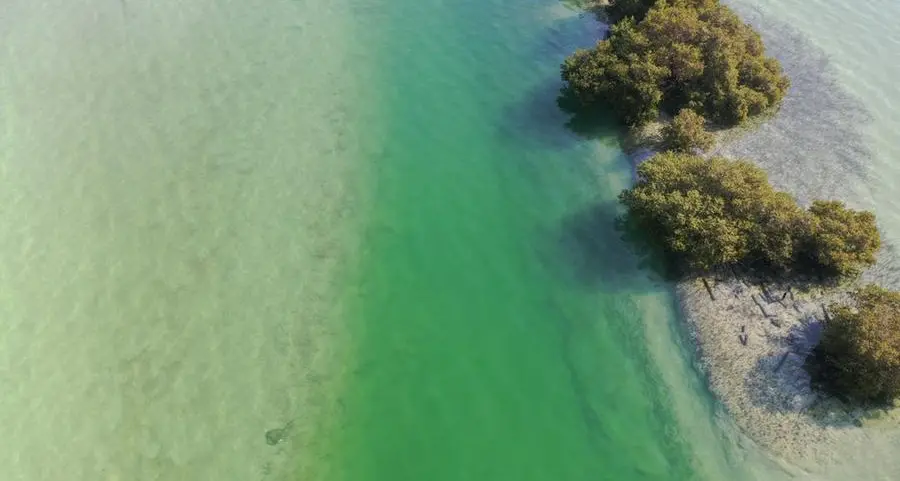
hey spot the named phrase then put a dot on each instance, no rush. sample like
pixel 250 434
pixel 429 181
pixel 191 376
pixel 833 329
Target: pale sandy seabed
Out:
pixel 178 208
pixel 812 148
pixel 763 384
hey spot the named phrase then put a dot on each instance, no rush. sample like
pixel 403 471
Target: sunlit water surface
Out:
pixel 358 241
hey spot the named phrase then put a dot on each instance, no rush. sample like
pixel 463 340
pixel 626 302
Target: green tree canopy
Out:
pixel 858 357
pixel 694 54
pixel 698 209
pixel 687 133
pixel 597 75
pixel 841 240
pixel 720 212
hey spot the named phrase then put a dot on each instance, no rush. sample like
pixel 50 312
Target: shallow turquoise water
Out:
pixel 368 222
pixel 503 330
pixel 499 320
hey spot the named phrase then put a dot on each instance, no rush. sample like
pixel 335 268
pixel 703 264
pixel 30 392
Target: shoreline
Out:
pixel 749 343
pixel 763 386
pixel 760 380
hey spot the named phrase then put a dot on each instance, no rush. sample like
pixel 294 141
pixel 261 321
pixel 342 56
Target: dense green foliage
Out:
pixel 697 58
pixel 694 54
pixel 719 212
pixel 628 85
pixel 687 133
pixel 841 240
pixel 858 357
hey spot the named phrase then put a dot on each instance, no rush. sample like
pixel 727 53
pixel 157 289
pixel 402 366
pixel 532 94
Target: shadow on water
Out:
pixel 540 119
pixel 593 248
pixel 549 118
pixel 592 245
pixel 589 123
pixel 596 248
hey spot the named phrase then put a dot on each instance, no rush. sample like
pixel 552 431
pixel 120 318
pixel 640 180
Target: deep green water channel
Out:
pixel 500 321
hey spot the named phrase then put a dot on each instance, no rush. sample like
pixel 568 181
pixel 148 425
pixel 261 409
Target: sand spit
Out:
pixel 752 340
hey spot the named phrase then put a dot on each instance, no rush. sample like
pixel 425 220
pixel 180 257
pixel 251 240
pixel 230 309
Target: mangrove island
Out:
pixel 827 342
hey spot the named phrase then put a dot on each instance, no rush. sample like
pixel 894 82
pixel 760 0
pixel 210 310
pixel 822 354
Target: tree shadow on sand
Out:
pixel 780 382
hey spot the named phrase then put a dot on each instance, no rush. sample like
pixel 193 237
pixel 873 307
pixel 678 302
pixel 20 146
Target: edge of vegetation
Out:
pixel 696 62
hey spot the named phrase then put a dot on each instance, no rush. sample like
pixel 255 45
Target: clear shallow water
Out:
pixel 177 208
pixel 481 251
pixel 500 325
pixel 367 219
